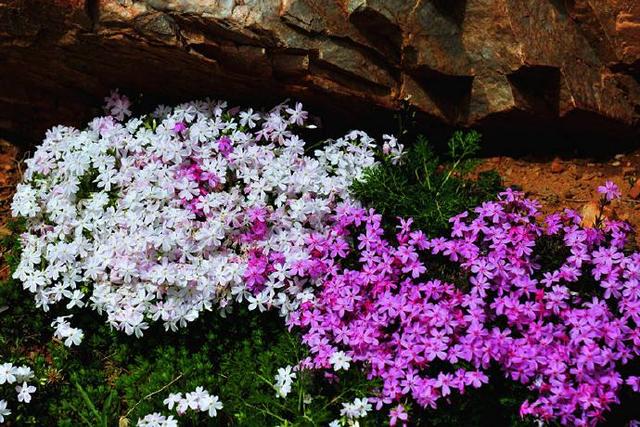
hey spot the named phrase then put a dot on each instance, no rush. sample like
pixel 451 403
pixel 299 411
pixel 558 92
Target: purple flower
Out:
pixel 609 190
pixel 179 127
pixel 224 146
pixel 398 414
pixel 514 312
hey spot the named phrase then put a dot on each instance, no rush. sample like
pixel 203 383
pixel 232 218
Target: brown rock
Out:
pixel 634 193
pixel 557 166
pixel 589 213
pixel 525 64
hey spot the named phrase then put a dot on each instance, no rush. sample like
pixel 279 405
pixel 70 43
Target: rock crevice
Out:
pixel 458 62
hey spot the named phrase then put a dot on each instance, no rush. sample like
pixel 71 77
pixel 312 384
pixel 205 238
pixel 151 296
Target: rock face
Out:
pixel 565 65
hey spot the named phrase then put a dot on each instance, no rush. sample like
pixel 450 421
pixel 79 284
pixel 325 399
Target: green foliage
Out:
pixel 426 187
pixel 495 404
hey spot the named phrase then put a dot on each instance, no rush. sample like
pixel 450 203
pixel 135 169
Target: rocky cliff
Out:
pixel 566 65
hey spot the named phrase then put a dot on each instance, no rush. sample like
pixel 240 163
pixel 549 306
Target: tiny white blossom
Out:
pixel 214 406
pixel 4 411
pixel 172 400
pixel 24 392
pixel 157 420
pixel 7 373
pixel 340 360
pixel 284 380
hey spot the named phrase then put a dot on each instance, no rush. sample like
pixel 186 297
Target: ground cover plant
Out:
pixel 142 220
pixel 202 265
pixel 159 224
pixel 564 332
pixel 427 187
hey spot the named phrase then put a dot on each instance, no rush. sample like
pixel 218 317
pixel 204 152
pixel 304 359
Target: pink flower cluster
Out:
pixel 564 332
pixel 202 182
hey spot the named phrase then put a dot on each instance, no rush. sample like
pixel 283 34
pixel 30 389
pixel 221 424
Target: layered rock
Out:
pixel 565 64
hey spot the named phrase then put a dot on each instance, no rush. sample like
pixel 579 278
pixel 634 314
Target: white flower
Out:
pixel 357 409
pixel 7 373
pixel 24 201
pixel 24 392
pixel 192 400
pixel 199 400
pixel 23 373
pixel 340 360
pixel 75 299
pixel 64 331
pixel 4 411
pixel 392 148
pixel 214 406
pixel 249 118
pixel 298 115
pixel 157 420
pixel 172 400
pixel 284 380
pixel 74 338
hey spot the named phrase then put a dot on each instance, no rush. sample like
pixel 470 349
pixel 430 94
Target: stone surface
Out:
pixel 557 166
pixel 634 193
pixel 565 67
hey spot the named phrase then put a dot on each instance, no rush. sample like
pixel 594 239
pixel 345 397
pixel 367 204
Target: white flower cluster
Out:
pixel 199 400
pixel 10 374
pixel 350 413
pixel 160 217
pixel 392 148
pixel 157 420
pixel 64 331
pixel 284 380
pixel 359 408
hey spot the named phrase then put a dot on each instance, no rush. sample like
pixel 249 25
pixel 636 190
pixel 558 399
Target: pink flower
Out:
pixel 224 146
pixel 514 312
pixel 398 414
pixel 609 190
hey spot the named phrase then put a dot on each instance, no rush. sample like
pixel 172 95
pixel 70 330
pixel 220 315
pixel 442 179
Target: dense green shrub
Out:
pixel 428 187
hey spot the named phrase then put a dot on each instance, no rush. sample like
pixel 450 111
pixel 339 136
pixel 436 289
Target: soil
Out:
pixel 558 183
pixel 10 173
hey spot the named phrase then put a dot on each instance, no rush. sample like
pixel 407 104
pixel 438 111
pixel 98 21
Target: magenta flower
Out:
pixel 224 146
pixel 179 127
pixel 398 414
pixel 609 190
pixel 567 347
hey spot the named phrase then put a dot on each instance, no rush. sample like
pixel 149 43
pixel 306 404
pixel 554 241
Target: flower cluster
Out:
pixel 351 412
pixel 359 408
pixel 160 217
pixel 64 331
pixel 564 331
pixel 284 380
pixel 157 420
pixel 10 374
pixel 199 400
